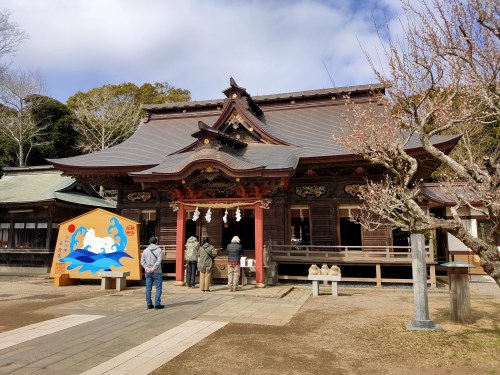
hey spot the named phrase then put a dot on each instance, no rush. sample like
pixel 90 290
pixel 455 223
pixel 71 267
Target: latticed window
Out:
pixel 4 235
pixel 30 235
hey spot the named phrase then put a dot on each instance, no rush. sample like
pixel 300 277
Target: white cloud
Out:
pixel 267 46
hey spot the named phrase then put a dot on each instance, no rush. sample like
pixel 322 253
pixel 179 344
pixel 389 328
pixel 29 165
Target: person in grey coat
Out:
pixel 151 260
pixel 206 264
pixel 191 254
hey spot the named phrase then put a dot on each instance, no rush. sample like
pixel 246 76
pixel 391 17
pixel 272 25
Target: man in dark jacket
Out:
pixel 234 253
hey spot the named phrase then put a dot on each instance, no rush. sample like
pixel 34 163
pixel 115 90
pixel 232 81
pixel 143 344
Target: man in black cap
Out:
pixel 151 262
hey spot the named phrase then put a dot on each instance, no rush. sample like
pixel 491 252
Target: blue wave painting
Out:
pixel 96 254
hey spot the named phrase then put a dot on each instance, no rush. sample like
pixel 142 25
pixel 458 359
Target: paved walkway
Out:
pixel 116 334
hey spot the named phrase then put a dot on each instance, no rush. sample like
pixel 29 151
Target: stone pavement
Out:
pixel 116 334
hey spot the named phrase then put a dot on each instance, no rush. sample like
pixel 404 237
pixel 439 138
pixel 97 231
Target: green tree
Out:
pixel 57 120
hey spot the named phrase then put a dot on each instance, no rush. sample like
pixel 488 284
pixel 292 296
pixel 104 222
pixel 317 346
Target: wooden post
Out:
pixel 458 277
pixel 420 298
pixel 460 295
pixel 259 247
pixel 432 274
pixel 179 246
pixel 378 273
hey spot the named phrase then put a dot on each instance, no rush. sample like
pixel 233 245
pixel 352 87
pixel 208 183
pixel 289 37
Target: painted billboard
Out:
pixel 94 242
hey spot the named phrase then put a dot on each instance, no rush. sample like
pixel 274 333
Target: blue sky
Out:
pixel 268 46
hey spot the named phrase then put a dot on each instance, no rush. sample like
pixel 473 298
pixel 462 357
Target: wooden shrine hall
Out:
pixel 265 168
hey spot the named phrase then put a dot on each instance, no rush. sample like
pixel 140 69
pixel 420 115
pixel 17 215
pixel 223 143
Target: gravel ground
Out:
pixel 360 332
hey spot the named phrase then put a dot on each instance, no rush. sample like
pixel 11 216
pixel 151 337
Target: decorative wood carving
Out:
pixel 135 196
pixel 316 190
pixel 221 189
pixel 354 189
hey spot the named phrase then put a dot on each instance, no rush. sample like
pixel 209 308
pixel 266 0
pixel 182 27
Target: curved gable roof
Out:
pixel 254 160
pixel 296 127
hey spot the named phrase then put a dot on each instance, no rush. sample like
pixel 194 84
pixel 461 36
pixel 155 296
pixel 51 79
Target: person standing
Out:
pixel 151 260
pixel 192 253
pixel 234 254
pixel 207 255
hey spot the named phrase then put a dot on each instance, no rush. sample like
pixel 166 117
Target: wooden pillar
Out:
pixel 259 247
pixel 460 295
pixel 179 246
pixel 378 273
pixel 432 273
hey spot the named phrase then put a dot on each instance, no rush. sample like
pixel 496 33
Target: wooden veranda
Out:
pixel 376 256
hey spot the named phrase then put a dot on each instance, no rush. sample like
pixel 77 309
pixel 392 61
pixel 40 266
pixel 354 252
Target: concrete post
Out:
pixel 421 320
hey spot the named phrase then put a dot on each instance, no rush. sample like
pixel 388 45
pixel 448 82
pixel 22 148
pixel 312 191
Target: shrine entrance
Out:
pixel 220 221
pixel 222 229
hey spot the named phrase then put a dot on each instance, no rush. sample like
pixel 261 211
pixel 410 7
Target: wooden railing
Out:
pixel 316 253
pixel 168 251
pixel 375 256
pixel 344 254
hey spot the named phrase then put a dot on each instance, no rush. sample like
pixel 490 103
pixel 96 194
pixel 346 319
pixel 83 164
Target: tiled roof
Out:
pixel 306 126
pixel 441 194
pixel 35 185
pixel 253 157
pixel 259 99
pixel 147 147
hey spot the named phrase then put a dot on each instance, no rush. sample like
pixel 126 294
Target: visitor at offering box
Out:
pixel 206 264
pixel 234 254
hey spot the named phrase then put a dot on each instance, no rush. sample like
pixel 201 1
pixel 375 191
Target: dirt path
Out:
pixel 361 332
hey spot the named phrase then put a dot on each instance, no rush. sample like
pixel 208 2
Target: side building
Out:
pixel 33 202
pixel 265 168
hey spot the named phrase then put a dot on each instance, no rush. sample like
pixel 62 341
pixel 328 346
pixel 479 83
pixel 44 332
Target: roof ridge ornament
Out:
pixel 235 92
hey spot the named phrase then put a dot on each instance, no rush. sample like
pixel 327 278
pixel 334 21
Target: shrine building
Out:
pixel 265 168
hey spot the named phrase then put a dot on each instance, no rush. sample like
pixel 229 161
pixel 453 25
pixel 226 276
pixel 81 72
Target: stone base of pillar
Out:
pixel 260 285
pixel 179 283
pixel 422 325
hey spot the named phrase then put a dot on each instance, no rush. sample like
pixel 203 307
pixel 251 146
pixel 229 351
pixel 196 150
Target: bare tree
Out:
pixel 104 118
pixel 443 77
pixel 16 121
pixel 10 36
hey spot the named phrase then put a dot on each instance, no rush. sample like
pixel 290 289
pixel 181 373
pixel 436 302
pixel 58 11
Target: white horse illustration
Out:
pixel 98 245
